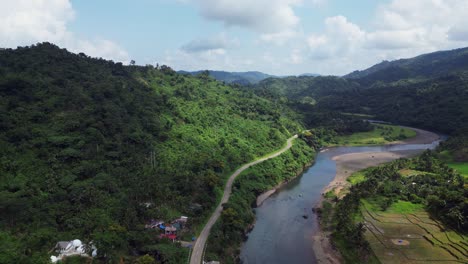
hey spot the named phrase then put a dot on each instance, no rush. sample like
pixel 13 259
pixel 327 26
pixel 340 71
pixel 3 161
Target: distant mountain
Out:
pixel 437 64
pixel 428 91
pixel 244 78
pixel 310 74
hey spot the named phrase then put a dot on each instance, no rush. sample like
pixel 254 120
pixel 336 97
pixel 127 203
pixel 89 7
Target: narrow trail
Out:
pixel 197 252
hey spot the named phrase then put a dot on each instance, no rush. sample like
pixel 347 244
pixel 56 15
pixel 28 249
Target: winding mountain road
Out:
pixel 197 252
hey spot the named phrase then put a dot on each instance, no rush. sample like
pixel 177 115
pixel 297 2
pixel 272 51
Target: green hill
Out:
pixel 92 149
pixel 425 66
pixel 305 89
pixel 429 91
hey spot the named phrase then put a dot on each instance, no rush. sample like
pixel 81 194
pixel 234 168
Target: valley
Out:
pixel 111 154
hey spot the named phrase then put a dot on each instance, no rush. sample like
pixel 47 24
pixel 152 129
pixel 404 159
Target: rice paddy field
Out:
pixel 405 233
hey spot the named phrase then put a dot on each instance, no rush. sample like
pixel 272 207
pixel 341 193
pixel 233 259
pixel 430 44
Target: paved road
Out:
pixel 197 251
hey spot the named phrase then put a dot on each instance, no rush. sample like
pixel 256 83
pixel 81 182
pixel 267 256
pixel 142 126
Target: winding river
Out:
pixel 281 233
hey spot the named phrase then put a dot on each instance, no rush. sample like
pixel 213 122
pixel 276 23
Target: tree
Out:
pixel 146 259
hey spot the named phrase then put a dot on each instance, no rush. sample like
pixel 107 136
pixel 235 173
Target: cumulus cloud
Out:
pixel 274 19
pixel 216 59
pixel 429 25
pixel 400 29
pixel 23 22
pixel 296 57
pixel 26 22
pixel 340 38
pixel 100 48
pixel 217 43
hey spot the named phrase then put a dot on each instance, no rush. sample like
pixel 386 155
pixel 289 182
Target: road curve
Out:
pixel 197 252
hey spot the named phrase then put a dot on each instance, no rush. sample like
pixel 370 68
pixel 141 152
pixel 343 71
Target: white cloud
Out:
pixel 419 24
pixel 26 22
pixel 219 42
pixel 396 39
pixel 23 22
pixel 279 38
pixel 215 59
pixel 100 48
pixel 339 39
pixel 400 29
pixel 275 20
pixel 296 57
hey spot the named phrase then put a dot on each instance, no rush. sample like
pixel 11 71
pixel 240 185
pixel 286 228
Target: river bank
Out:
pixel 346 164
pixel 422 137
pixel 262 197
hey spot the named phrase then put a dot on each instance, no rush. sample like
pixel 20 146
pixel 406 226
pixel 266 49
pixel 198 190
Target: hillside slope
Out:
pixel 426 66
pixel 429 91
pixel 92 149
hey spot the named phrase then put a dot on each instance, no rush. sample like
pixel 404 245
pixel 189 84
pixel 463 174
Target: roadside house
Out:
pixel 72 248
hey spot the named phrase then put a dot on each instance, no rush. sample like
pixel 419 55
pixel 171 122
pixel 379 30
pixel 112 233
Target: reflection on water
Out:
pixel 281 233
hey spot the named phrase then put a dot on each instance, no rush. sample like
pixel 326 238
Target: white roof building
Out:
pixel 72 248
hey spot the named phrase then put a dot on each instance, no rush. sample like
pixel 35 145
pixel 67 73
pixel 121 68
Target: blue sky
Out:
pixel 274 36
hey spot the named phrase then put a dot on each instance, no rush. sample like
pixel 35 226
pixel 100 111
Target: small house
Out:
pixel 178 226
pixel 154 223
pixel 61 246
pixel 170 230
pixel 72 248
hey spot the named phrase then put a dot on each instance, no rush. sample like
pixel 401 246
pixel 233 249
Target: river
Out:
pixel 281 234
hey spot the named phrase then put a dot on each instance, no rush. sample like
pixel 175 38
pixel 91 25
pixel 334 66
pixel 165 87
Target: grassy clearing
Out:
pixel 357 177
pixel 330 194
pixel 382 134
pixel 404 207
pixel 410 172
pixel 461 167
pixel 399 207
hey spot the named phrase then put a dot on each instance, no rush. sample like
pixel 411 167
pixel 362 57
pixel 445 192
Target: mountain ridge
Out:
pixel 429 65
pixel 244 78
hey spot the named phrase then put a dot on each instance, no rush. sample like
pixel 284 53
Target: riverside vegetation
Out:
pixel 400 190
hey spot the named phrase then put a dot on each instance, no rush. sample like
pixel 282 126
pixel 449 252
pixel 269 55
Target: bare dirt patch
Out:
pixel 400 242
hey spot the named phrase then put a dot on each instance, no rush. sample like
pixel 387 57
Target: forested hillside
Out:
pixel 303 89
pixel 92 149
pixel 432 93
pixel 436 104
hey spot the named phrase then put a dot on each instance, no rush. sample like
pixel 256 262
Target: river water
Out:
pixel 281 233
